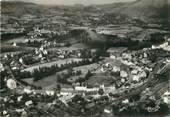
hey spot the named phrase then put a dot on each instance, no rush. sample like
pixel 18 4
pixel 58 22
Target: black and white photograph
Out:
pixel 85 58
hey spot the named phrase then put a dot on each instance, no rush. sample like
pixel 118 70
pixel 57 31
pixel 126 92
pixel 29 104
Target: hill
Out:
pixel 146 10
pixel 18 8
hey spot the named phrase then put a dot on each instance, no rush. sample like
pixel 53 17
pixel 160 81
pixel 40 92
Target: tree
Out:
pixel 68 44
pixel 58 87
pixel 88 75
pixel 70 70
pixel 153 58
pixel 101 92
pixel 157 37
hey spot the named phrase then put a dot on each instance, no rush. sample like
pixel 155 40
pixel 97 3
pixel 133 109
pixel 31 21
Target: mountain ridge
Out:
pixel 145 10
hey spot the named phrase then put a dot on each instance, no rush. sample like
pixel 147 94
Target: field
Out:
pixel 50 81
pixel 73 47
pixel 16 40
pixel 99 79
pixel 23 39
pixel 84 69
pixel 8 48
pixel 79 46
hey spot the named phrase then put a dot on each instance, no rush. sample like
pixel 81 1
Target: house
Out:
pixel 5 113
pixel 134 72
pixel 80 88
pixel 50 93
pixel 40 55
pixel 142 74
pixel 116 69
pixel 163 45
pixel 15 65
pixel 92 89
pixel 128 63
pixel 145 55
pixel 166 100
pixel 112 56
pixel 122 80
pixel 155 47
pixel 135 78
pixel 123 74
pixel 83 89
pixel 166 97
pixel 21 60
pixel 167 60
pixel 19 98
pixel 126 56
pixel 65 93
pixel 11 84
pixel 167 93
pixel 19 110
pixel 1 67
pixel 125 101
pixel 6 56
pixel 27 90
pixel 36 51
pixel 41 48
pixel 103 69
pixel 28 103
pixel 102 86
pixel 107 111
pixel 61 56
pixel 14 44
pixel 45 52
pixel 93 52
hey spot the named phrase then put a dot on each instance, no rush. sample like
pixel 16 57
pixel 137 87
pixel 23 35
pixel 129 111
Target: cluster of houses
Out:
pixel 26 97
pixel 136 73
pixel 164 46
pixel 15 65
pixel 138 64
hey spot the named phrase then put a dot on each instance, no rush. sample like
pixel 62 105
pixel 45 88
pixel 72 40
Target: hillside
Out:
pixel 110 7
pixel 18 8
pixel 146 10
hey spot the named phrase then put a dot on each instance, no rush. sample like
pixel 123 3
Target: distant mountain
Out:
pixel 18 8
pixel 110 7
pixel 146 10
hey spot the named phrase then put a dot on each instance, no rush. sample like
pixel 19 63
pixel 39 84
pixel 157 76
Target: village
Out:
pixel 82 61
pixel 125 70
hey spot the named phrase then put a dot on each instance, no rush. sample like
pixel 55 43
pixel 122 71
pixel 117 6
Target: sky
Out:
pixel 71 2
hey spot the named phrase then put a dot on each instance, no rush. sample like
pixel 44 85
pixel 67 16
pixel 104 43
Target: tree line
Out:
pixel 42 72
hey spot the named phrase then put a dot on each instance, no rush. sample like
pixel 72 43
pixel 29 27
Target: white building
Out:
pixel 50 93
pixel 28 103
pixel 1 67
pixel 14 44
pixel 11 84
pixel 123 74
